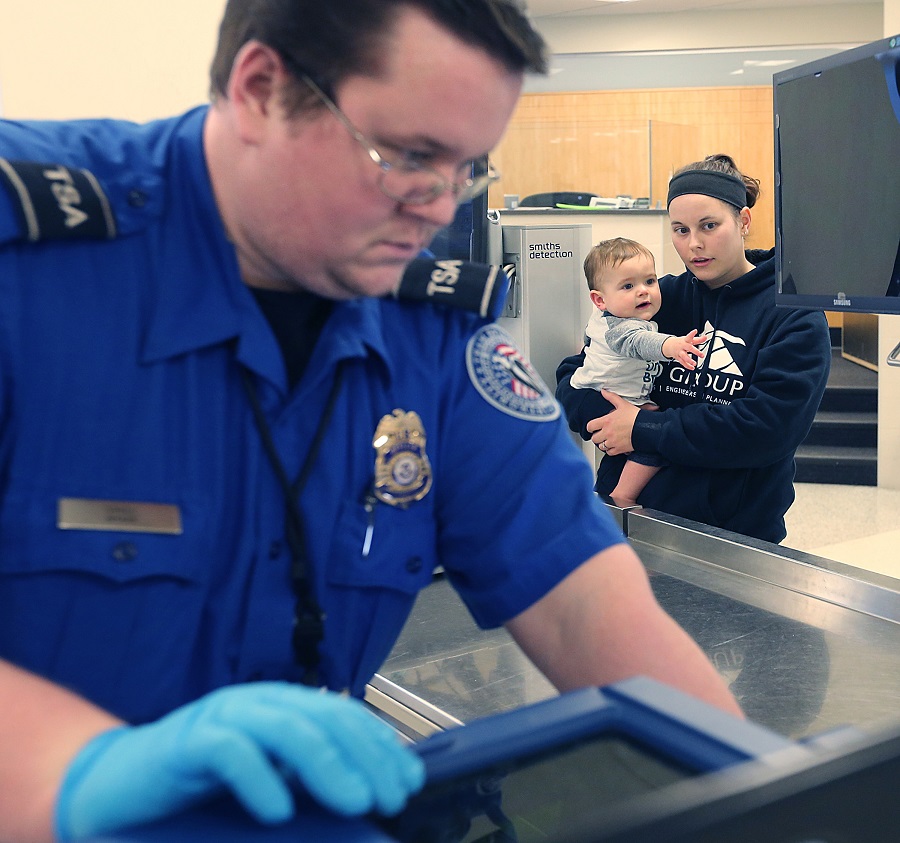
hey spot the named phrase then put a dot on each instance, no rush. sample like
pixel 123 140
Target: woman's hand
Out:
pixel 612 433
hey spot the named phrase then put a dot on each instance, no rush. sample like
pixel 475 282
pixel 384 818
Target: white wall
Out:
pixel 141 59
pixel 891 17
pixel 136 59
pixel 815 24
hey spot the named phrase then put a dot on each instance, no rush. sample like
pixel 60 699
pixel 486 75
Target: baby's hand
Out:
pixel 681 349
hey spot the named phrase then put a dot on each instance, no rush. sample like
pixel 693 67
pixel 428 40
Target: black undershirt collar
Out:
pixel 296 319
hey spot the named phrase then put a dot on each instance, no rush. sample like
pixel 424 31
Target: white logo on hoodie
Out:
pixel 717 375
pixel 719 359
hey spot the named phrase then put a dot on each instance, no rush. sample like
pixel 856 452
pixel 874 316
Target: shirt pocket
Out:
pixel 382 546
pixel 113 615
pixel 31 543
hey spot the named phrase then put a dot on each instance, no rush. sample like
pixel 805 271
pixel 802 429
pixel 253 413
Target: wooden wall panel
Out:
pixel 630 142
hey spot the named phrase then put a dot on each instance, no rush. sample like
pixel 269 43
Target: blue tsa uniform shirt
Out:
pixel 143 552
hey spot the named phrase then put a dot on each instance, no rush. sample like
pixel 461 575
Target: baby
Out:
pixel 624 349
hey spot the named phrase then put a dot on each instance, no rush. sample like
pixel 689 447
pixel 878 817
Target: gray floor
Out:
pixel 858 525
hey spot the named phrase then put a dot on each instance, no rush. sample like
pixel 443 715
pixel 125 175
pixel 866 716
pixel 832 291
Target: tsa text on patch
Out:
pixel 444 277
pixel 67 196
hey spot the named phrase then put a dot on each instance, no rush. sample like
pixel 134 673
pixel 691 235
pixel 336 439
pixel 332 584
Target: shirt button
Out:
pixel 137 198
pixel 275 550
pixel 125 552
pixel 414 564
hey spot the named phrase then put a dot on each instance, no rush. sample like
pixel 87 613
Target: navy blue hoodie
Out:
pixel 728 429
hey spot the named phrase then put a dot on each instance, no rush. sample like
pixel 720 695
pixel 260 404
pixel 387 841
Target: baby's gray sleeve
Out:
pixel 633 338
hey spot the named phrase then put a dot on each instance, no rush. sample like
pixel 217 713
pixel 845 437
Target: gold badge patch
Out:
pixel 402 470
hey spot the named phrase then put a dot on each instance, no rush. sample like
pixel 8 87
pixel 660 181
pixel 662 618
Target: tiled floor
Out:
pixel 857 525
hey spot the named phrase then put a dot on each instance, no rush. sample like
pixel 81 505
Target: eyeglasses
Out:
pixel 408 181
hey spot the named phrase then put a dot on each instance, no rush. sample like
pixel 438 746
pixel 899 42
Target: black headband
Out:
pixel 722 186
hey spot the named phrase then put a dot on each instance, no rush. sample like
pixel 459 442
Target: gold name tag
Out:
pixel 124 516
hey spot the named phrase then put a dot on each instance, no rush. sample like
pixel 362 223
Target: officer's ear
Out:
pixel 256 77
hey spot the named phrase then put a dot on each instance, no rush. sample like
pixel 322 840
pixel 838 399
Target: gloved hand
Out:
pixel 252 740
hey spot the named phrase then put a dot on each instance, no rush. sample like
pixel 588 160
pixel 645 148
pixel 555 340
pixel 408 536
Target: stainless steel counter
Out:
pixel 805 643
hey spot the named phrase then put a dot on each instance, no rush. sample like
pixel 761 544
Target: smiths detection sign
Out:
pixel 548 250
pixel 552 259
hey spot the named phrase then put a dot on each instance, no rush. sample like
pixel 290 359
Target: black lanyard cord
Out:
pixel 309 619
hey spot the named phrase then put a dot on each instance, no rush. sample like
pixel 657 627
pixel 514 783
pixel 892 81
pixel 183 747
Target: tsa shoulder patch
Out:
pixel 54 202
pixel 505 378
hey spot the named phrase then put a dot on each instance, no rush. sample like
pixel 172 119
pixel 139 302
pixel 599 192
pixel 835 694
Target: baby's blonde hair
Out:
pixel 610 253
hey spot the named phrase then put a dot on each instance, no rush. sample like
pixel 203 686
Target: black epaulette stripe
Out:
pixel 451 282
pixel 55 202
pixel 32 228
pixel 485 308
pixel 108 215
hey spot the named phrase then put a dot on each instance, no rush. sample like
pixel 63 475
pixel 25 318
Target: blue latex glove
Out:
pixel 253 740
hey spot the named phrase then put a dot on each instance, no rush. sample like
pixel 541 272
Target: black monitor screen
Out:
pixel 535 798
pixel 837 201
pixel 466 237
